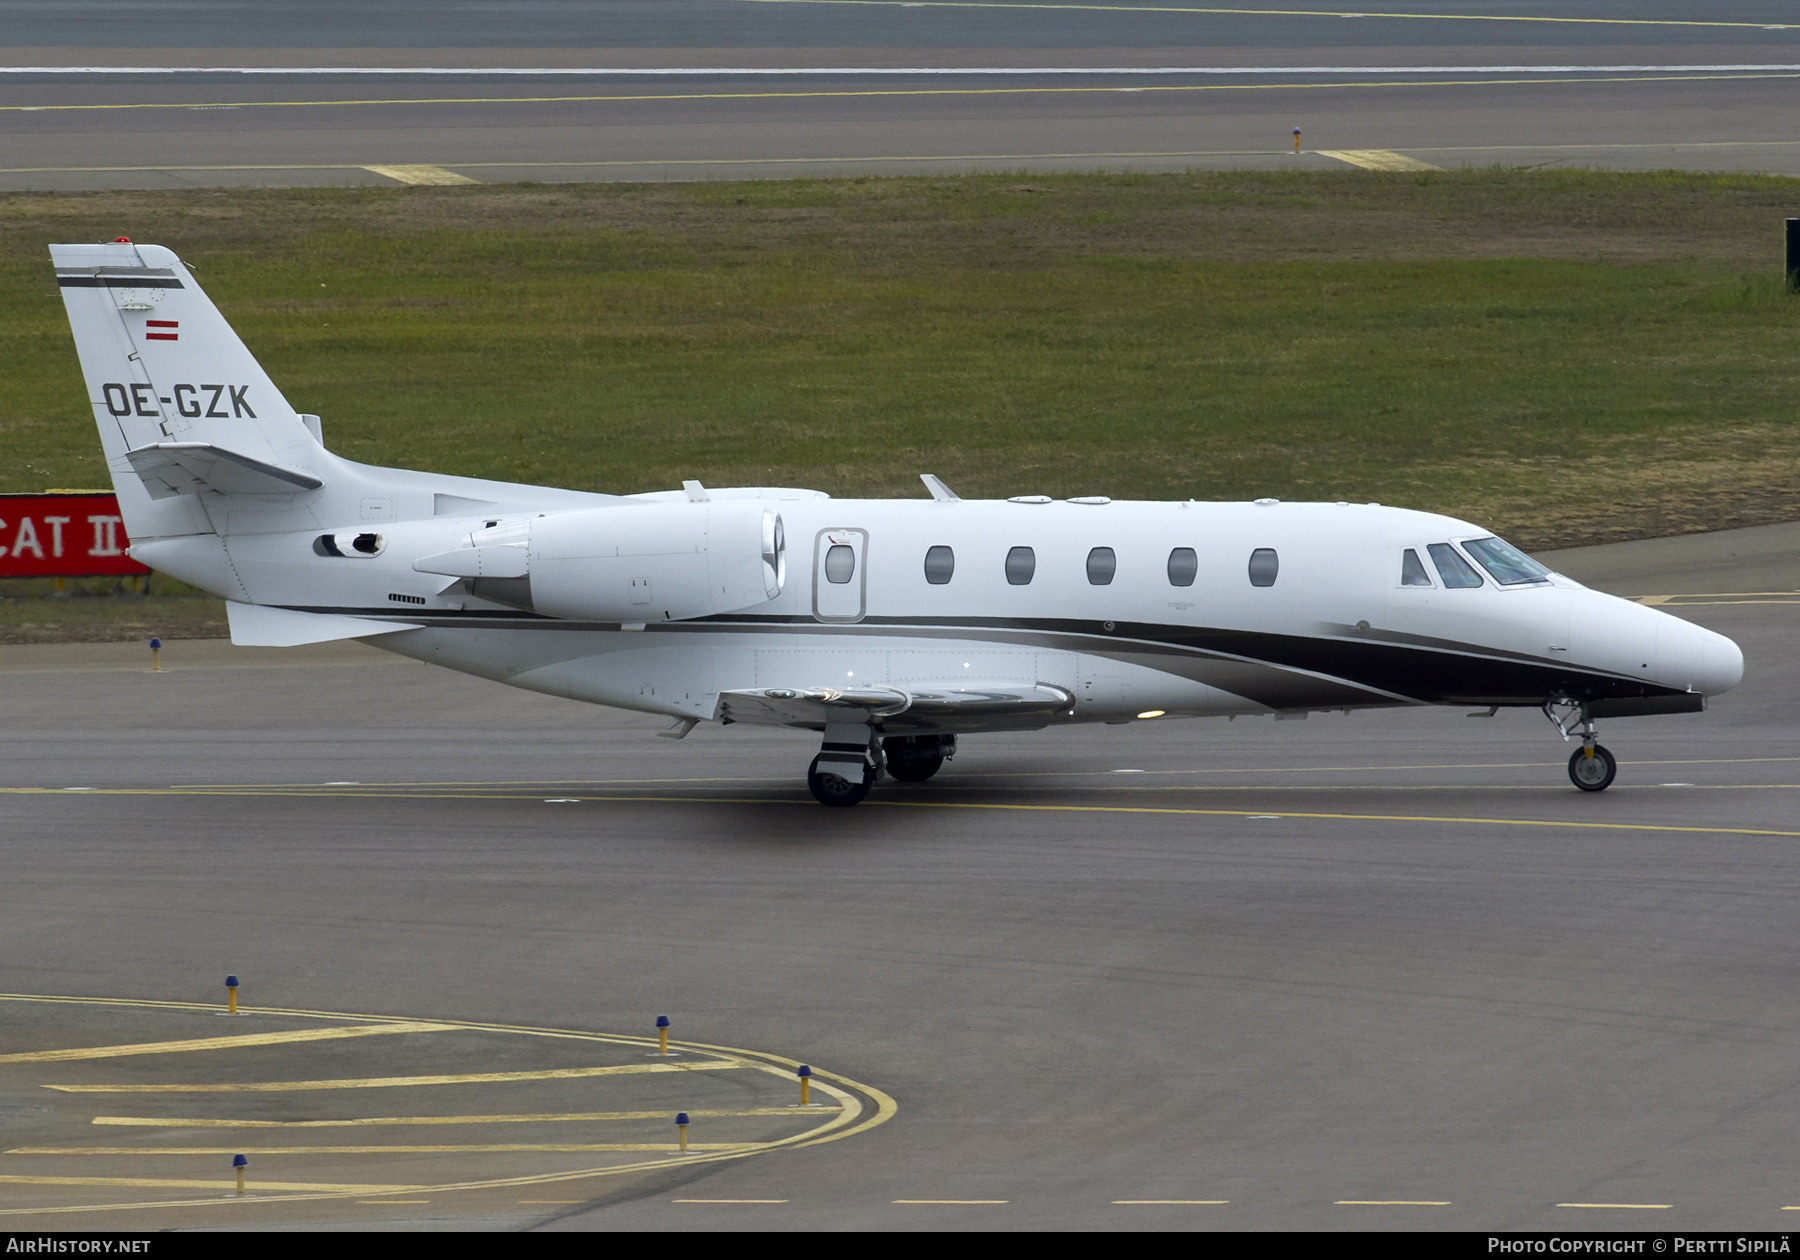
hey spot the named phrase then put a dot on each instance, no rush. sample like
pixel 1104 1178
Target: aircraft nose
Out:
pixel 1694 658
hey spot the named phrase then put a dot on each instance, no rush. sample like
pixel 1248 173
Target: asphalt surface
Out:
pixel 1595 82
pixel 1387 970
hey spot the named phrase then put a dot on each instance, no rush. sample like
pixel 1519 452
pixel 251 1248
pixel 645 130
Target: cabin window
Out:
pixel 1509 565
pixel 1458 574
pixel 1021 563
pixel 1412 570
pixel 940 565
pixel 1101 565
pixel 1264 565
pixel 1183 565
pixel 840 564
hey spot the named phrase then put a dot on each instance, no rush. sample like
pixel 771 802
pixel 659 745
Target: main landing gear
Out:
pixel 854 756
pixel 1591 767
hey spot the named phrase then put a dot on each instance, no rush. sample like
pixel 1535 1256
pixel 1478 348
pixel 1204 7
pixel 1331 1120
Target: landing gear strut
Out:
pixel 1591 767
pixel 915 758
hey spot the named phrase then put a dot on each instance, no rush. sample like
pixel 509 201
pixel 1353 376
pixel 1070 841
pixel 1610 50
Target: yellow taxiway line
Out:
pixel 1180 10
pixel 653 97
pixel 387 1082
pixel 164 1183
pixel 190 1122
pixel 219 1043
pixel 485 1148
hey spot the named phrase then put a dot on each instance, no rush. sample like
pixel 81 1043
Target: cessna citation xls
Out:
pixel 889 627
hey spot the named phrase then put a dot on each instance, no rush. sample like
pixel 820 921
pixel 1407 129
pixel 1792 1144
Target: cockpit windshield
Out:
pixel 1509 565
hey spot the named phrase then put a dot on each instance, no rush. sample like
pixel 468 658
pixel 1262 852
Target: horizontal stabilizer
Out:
pixel 261 625
pixel 171 468
pixel 946 703
pixel 476 562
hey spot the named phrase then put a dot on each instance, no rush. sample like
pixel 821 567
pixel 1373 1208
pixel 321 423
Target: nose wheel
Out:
pixel 1592 768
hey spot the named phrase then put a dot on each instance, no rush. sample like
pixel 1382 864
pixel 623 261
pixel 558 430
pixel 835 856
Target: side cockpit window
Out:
pixel 1508 565
pixel 1457 573
pixel 1412 570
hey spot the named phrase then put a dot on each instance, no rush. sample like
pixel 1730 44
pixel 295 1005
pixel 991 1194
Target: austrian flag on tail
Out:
pixel 170 324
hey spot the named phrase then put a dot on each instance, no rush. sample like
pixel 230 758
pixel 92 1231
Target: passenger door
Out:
pixel 840 575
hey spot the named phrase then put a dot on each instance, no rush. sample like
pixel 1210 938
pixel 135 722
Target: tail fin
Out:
pixel 166 373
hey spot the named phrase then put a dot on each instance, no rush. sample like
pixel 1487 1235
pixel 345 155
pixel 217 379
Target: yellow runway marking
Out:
pixel 1329 13
pixel 421 174
pixel 1378 159
pixel 1184 1202
pixel 1391 1203
pixel 557 1202
pixel 472 1148
pixel 1617 1205
pixel 219 1043
pixel 390 1202
pixel 653 97
pixel 387 1082
pixel 221 1184
pixel 728 1200
pixel 380 1121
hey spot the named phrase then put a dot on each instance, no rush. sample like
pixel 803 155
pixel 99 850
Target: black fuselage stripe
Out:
pixel 1381 671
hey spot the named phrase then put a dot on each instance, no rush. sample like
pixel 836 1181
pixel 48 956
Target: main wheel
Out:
pixel 830 788
pixel 1592 774
pixel 913 759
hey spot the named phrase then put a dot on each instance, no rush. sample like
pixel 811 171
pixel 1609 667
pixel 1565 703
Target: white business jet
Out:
pixel 889 627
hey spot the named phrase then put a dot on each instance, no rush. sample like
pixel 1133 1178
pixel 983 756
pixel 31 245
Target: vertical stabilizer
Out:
pixel 163 366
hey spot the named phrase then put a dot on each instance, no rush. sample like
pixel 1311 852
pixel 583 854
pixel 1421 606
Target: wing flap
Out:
pixel 951 704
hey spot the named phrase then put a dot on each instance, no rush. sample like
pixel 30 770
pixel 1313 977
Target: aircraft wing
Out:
pixel 916 706
pixel 171 468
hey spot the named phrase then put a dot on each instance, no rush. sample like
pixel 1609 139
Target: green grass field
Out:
pixel 1563 356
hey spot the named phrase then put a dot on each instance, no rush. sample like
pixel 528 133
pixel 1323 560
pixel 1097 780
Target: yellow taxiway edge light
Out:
pixel 653 97
pixel 219 1043
pixel 189 1122
pixel 383 1082
pixel 216 1183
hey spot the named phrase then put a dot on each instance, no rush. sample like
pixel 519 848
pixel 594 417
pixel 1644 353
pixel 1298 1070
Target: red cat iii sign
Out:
pixel 63 535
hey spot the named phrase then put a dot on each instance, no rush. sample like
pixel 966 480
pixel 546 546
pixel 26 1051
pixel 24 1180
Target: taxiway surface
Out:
pixel 1386 970
pixel 396 91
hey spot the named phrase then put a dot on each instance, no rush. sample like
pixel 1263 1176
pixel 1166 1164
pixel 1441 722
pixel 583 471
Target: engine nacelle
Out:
pixel 657 562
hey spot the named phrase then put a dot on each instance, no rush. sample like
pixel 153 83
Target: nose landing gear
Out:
pixel 1591 767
